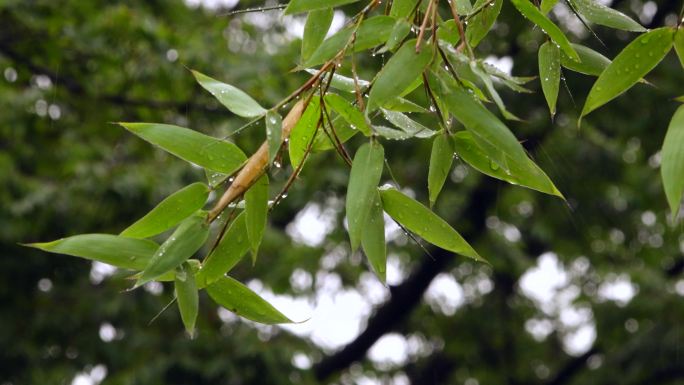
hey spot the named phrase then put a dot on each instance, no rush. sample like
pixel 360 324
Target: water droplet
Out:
pixel 493 165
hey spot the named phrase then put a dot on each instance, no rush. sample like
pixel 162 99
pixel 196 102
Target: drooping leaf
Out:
pixel 448 32
pixel 423 222
pixel 256 210
pixel 401 70
pixel 343 131
pixel 123 252
pixel 363 180
pixel 274 128
pixel 598 13
pixel 348 112
pixel 630 65
pixel 299 6
pixel 547 5
pixel 169 212
pixel 679 45
pixel 403 105
pixel 302 133
pixel 316 27
pixel 191 146
pixel 400 30
pixel 373 238
pixel 408 125
pixel 402 9
pixel 480 24
pixel 234 99
pixel 672 163
pixel 187 296
pixel 549 73
pixel 526 174
pixel 441 159
pixel 463 7
pixel 342 83
pixel 181 245
pixel 478 70
pixel 591 62
pixel 531 12
pixel 242 301
pixel 229 251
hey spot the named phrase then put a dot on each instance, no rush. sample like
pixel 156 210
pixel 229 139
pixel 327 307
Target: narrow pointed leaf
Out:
pixel 181 245
pixel 549 73
pixel 399 73
pixel 441 159
pixel 547 5
pixel 480 24
pixel 408 125
pixel 342 83
pixel 363 180
pixel 299 6
pixel 230 250
pixel 531 12
pixel 303 132
pixel 343 131
pixel 242 301
pixel 256 210
pixel 463 7
pixel 400 30
pixel 479 70
pixel 402 9
pixel 234 99
pixel 591 62
pixel 191 146
pixel 187 296
pixel 672 163
pixel 598 13
pixel 274 129
pixel 348 112
pixel 679 44
pixel 420 220
pixel 123 252
pixel 169 212
pixel 316 27
pixel 373 238
pixel 635 61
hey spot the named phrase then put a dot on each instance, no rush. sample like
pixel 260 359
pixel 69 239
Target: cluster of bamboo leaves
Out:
pixel 442 61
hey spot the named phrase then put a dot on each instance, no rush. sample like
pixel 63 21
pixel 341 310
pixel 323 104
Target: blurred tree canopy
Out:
pixel 585 292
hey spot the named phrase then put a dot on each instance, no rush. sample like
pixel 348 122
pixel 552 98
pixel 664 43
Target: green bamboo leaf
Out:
pixel 340 82
pixel 303 132
pixel 549 73
pixel 316 27
pixel 441 159
pixel 679 45
pixel 480 24
pixel 400 30
pixel 402 9
pixel 547 5
pixel 399 73
pixel 408 125
pixel 448 32
pixel 181 245
pixel 123 252
pixel 373 238
pixel 463 7
pixel 274 129
pixel 191 146
pixel 169 212
pixel 363 179
pixel 242 301
pixel 420 220
pixel 231 248
pixel 598 13
pixel 531 12
pixel 234 99
pixel 343 131
pixel 591 62
pixel 256 210
pixel 404 105
pixel 299 6
pixel 526 174
pixel 348 112
pixel 479 70
pixel 187 296
pixel 672 163
pixel 636 60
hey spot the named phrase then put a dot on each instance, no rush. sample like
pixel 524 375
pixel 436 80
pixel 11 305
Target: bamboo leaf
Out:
pixel 672 163
pixel 231 248
pixel 348 112
pixel 373 238
pixel 480 24
pixel 679 44
pixel 299 6
pixel 400 30
pixel 274 129
pixel 191 146
pixel 408 125
pixel 340 82
pixel 547 5
pixel 423 222
pixel 316 27
pixel 181 245
pixel 402 9
pixel 598 13
pixel 234 99
pixel 302 133
pixel 630 65
pixel 549 73
pixel 479 70
pixel 591 62
pixel 187 296
pixel 363 179
pixel 399 73
pixel 531 12
pixel 242 301
pixel 122 252
pixel 256 211
pixel 169 212
pixel 441 159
